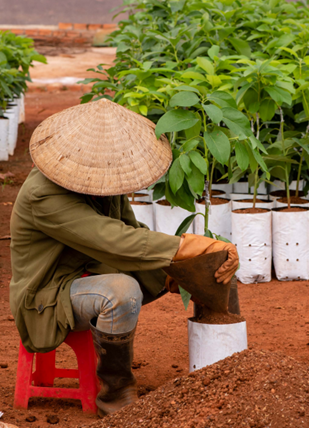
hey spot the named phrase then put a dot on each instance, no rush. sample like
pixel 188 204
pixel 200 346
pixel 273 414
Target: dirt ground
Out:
pixel 277 313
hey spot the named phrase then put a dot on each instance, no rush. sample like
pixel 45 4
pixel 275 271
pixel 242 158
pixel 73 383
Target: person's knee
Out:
pixel 128 291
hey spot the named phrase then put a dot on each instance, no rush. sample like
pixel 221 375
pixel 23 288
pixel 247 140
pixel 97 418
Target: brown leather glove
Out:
pixel 196 245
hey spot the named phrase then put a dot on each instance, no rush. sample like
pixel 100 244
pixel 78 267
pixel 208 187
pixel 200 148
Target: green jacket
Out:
pixel 56 236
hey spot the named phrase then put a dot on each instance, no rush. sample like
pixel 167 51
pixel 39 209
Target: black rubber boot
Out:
pixel 115 356
pixel 233 299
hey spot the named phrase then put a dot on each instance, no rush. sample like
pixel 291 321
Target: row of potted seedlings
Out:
pixel 13 115
pixel 16 57
pixel 271 232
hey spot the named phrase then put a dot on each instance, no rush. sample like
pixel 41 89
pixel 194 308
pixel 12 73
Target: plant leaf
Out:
pixel 206 65
pixel 185 224
pixel 176 176
pixel 213 51
pixel 190 145
pixel 241 46
pixel 198 161
pixel 219 145
pixel 185 296
pixel 213 112
pixel 237 122
pixel 279 95
pixel 223 99
pixel 267 109
pixel 175 120
pixel 184 99
pixel 196 180
pixel 185 164
pixel 241 156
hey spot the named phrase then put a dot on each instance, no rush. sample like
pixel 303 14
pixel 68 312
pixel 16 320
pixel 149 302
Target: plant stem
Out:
pixel 206 205
pixel 256 176
pixel 298 174
pixel 287 184
pixel 211 176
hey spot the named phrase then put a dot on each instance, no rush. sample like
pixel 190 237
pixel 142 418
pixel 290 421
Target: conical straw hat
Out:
pixel 100 148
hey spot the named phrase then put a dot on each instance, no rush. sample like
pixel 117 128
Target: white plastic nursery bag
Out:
pixel 209 343
pixel 251 233
pixel 291 244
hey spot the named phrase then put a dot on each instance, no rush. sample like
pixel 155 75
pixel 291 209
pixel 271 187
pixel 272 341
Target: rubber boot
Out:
pixel 233 299
pixel 115 356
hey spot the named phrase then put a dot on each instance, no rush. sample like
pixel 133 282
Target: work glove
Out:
pixel 196 245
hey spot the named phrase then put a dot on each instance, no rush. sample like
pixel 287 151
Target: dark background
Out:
pixel 51 12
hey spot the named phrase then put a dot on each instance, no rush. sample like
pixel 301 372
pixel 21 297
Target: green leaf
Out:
pixel 208 234
pixel 194 75
pixel 257 143
pixel 176 176
pixel 219 145
pixel 223 99
pixel 190 145
pixel 279 95
pixel 185 296
pixel 278 172
pixel 175 120
pixel 185 164
pixel 196 180
pixel 260 161
pixel 184 99
pixel 213 112
pixel 198 161
pixel 158 191
pixel 267 109
pixel 214 80
pixel 221 238
pixel 252 161
pixel 241 46
pixel 39 58
pixel 206 65
pixel 185 224
pixel 241 156
pixel 195 130
pixel 186 88
pixel 143 109
pixel 3 59
pixel 237 122
pixel 213 51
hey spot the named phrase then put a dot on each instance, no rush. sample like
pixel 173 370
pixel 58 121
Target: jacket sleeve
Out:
pixel 127 214
pixel 66 217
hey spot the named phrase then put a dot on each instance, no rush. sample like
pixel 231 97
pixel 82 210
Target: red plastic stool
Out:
pixel 45 373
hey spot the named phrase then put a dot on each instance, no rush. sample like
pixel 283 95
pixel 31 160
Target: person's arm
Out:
pixel 127 214
pixel 65 217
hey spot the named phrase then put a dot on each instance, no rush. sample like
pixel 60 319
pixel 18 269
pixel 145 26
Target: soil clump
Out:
pixel 217 318
pixel 293 200
pixel 251 211
pixel 164 202
pixel 251 200
pixel 292 210
pixel 139 203
pixel 249 389
pixel 282 193
pixel 215 201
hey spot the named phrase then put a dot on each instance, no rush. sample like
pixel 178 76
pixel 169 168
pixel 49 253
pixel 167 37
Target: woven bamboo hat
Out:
pixel 100 148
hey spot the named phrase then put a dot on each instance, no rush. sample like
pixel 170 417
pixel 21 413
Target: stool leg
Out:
pixel 45 369
pixel 86 359
pixel 23 378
